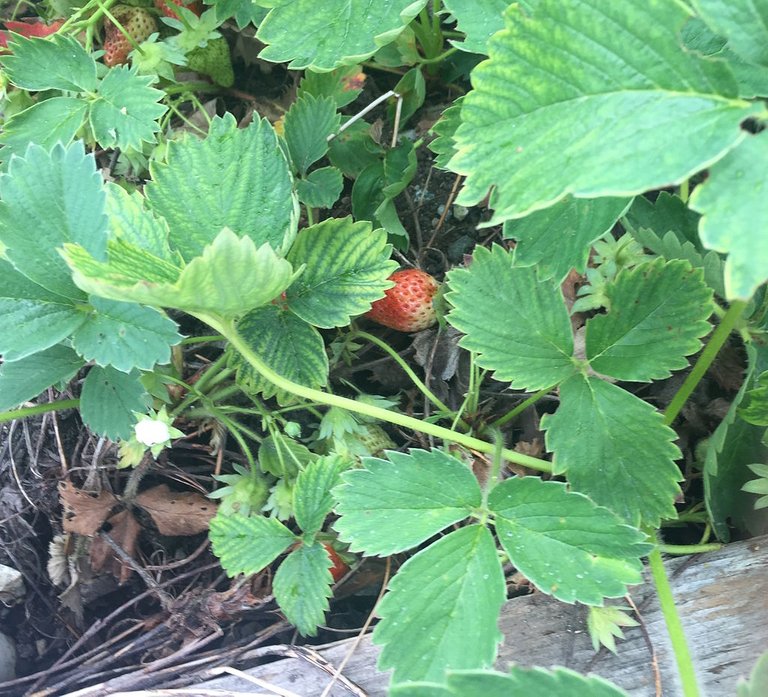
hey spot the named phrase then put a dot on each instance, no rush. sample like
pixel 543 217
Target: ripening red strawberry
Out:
pixel 137 22
pixel 28 28
pixel 407 306
pixel 165 7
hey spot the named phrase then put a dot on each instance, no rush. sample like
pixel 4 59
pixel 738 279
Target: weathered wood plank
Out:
pixel 722 597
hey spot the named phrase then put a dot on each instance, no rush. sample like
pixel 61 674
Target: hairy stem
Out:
pixel 23 412
pixel 227 328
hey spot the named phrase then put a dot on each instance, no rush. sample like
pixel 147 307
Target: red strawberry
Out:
pixel 137 22
pixel 338 566
pixel 407 306
pixel 28 28
pixel 165 7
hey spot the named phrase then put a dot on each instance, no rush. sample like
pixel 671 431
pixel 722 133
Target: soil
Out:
pixel 147 619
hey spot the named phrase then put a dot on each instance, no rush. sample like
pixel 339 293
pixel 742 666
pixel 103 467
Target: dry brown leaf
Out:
pixel 125 531
pixel 177 513
pixel 84 513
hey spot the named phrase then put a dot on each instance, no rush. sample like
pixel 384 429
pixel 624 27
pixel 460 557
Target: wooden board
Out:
pixel 722 598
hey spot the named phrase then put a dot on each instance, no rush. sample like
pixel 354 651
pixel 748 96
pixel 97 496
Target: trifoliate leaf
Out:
pixel 395 504
pixel 27 378
pixel 612 59
pixel 54 63
pixel 442 608
pixel 287 344
pixel 126 109
pixel 312 500
pixel 565 544
pixel 125 335
pixel 732 198
pixel 625 455
pixel 344 33
pixel 55 120
pixel 479 20
pixel 236 178
pixel 520 682
pixel 308 123
pixel 246 545
pixel 321 188
pixel 230 277
pixel 657 314
pixel 604 625
pixel 347 267
pixel 559 238
pixel 517 324
pixel 302 587
pixel 110 399
pixel 31 317
pixel 744 23
pixel 46 200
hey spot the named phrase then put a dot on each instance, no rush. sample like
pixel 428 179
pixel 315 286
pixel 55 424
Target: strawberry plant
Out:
pixel 616 154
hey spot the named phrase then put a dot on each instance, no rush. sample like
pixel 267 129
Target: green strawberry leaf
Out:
pixel 312 500
pixel 321 188
pixel 54 63
pixel 734 443
pixel 125 336
pixel 565 544
pixel 656 317
pixel 246 545
pixel 392 505
pixel 287 344
pixel 744 23
pixel 230 277
pixel 308 123
pixel 236 178
pixel 732 198
pixel 518 325
pixel 132 222
pixel 47 199
pixel 344 33
pixel 32 318
pixel 479 20
pixel 558 239
pixel 27 378
pixel 441 609
pixel 343 85
pixel 125 110
pixel 444 144
pixel 46 123
pixel 625 459
pixel 612 58
pixel 347 267
pixel 109 399
pixel 302 586
pixel 667 213
pixel 758 679
pixel 520 682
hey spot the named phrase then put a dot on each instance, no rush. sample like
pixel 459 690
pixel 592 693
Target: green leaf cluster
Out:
pixel 302 583
pixel 119 110
pixel 657 314
pixel 441 609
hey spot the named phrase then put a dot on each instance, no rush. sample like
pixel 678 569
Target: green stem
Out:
pixel 689 549
pixel 715 343
pixel 24 412
pixel 535 397
pixel 685 190
pixel 201 339
pixel 674 625
pixel 227 328
pixel 440 57
pixel 409 372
